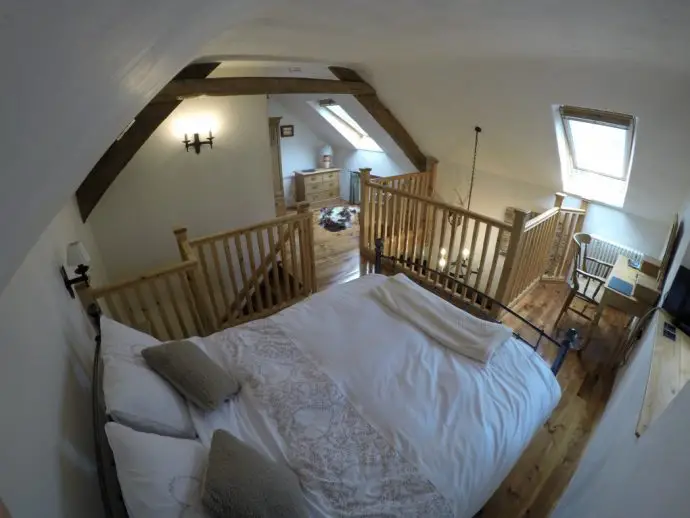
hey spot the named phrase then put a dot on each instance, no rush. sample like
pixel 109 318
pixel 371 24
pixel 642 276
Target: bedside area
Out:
pixel 319 187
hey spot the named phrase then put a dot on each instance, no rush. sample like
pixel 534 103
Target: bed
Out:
pixel 373 416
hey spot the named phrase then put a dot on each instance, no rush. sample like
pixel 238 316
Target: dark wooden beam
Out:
pixel 224 86
pixel 121 151
pixel 384 117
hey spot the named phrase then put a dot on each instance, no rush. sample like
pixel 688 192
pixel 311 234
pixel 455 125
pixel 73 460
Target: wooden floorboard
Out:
pixel 336 254
pixel 534 486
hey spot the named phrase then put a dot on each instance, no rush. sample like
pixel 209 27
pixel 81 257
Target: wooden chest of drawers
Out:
pixel 319 188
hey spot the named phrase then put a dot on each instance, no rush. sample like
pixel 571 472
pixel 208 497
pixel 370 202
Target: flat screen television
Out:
pixel 677 301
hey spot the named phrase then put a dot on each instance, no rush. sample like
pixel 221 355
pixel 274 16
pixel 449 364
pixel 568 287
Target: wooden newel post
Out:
pixel 308 255
pixel 431 167
pixel 199 289
pixel 584 205
pixel 364 208
pixel 182 238
pixel 379 255
pixel 512 259
pixel 560 198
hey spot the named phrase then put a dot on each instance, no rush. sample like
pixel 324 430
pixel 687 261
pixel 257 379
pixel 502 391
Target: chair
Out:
pixel 584 285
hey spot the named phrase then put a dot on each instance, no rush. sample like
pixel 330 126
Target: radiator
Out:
pixel 608 251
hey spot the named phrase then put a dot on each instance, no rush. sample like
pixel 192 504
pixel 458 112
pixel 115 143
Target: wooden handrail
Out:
pixel 251 228
pixel 570 210
pixel 442 205
pixel 541 218
pixel 404 176
pixel 149 276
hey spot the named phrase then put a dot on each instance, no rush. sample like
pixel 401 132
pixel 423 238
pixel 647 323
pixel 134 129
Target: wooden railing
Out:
pixel 533 255
pixel 256 271
pixel 161 303
pixel 502 260
pixel 432 233
pixel 420 184
pixel 570 221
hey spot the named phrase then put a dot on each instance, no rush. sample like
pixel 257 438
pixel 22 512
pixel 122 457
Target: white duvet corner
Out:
pixel 450 326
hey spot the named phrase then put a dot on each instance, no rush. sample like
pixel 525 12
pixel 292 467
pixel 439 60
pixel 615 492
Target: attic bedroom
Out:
pixel 429 262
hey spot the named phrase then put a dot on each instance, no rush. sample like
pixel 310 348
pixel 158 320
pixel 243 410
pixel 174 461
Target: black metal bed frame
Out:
pixel 111 493
pixel 563 347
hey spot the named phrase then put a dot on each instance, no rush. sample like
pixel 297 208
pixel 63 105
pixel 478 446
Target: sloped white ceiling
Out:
pixel 76 73
pixel 448 66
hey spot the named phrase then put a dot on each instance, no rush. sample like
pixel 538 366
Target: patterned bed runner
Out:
pixel 345 466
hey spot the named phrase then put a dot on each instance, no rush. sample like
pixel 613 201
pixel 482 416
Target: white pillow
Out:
pixel 160 477
pixel 134 394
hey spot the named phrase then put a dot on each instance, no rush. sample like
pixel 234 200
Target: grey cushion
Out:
pixel 192 373
pixel 242 483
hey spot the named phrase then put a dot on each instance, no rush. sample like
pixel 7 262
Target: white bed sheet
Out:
pixel 460 423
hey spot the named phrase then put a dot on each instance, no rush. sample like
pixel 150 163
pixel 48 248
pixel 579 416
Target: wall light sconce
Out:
pixel 197 143
pixel 77 258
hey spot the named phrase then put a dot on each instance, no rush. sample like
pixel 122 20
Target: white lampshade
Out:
pixel 327 150
pixel 465 253
pixel 77 254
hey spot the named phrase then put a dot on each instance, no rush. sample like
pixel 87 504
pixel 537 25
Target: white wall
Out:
pixel 620 475
pixel 298 152
pixel 163 187
pixel 46 455
pixel 105 60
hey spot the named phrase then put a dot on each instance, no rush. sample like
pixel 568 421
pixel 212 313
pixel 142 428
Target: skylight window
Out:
pixel 596 150
pixel 344 124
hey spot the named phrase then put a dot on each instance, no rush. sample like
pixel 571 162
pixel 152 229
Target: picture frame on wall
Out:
pixel 287 131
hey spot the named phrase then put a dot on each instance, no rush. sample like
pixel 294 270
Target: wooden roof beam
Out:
pixel 118 155
pixel 226 86
pixel 384 117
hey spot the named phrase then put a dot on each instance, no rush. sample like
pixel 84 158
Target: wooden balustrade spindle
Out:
pixel 274 266
pixel 482 259
pixel 294 257
pixel 451 246
pixel 112 307
pixel 385 201
pixel 209 285
pixel 128 308
pixel 194 311
pixel 219 275
pixel 431 261
pixel 161 309
pixel 494 261
pixel 243 270
pixel 175 305
pixel 470 260
pixel 231 273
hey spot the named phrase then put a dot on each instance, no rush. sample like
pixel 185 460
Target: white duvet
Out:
pixel 459 424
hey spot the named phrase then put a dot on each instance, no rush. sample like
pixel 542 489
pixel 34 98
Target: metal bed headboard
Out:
pixel 563 346
pixel 111 494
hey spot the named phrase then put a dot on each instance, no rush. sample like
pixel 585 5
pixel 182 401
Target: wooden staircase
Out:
pixel 266 289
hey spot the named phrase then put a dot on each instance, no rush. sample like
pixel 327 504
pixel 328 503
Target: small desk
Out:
pixel 625 303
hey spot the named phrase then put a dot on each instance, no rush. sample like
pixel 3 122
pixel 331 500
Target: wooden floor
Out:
pixel 539 478
pixel 336 254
